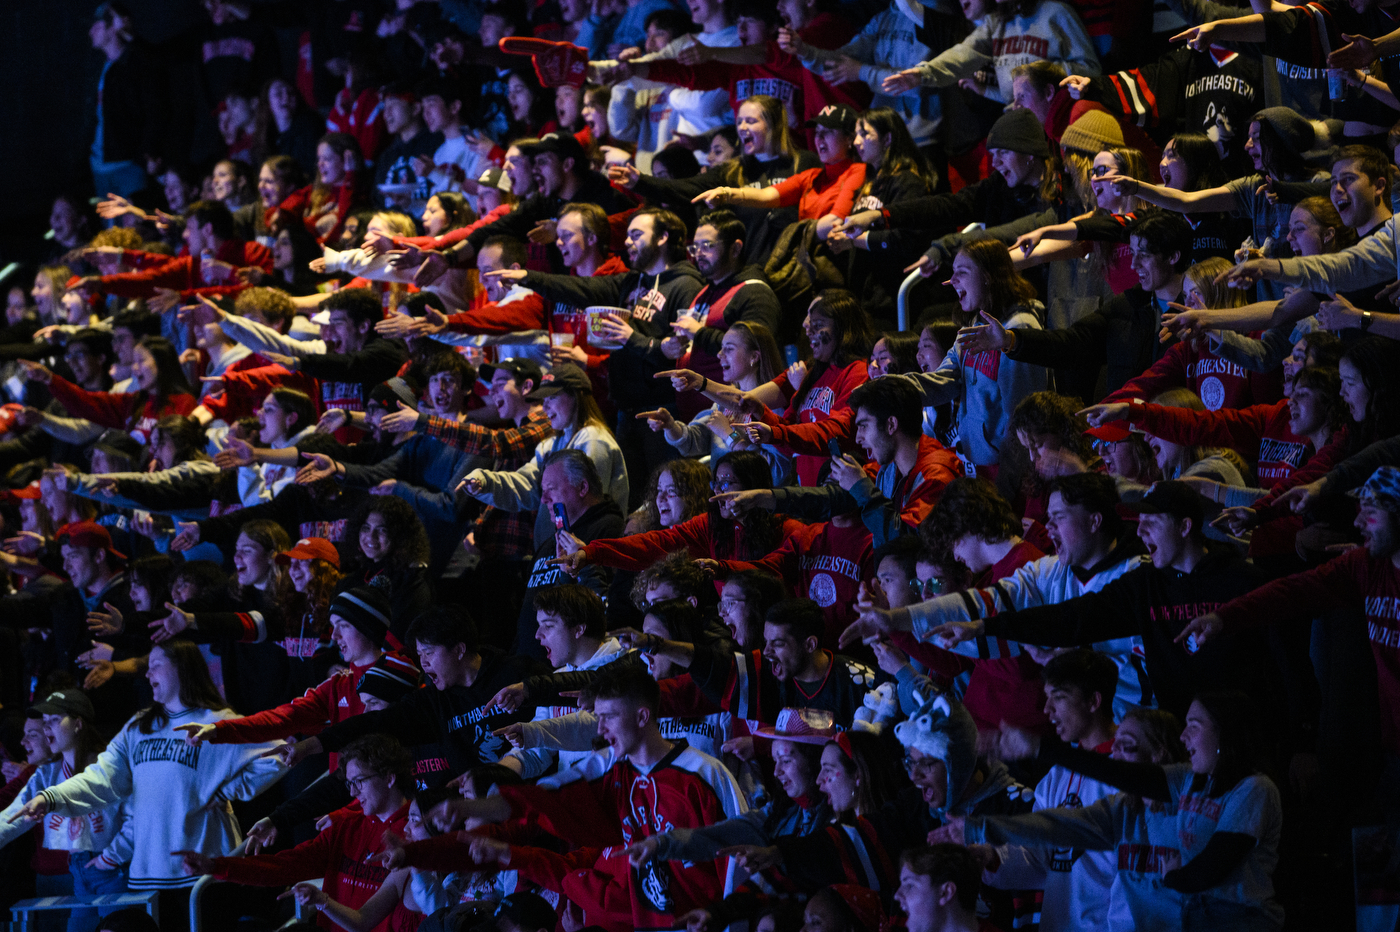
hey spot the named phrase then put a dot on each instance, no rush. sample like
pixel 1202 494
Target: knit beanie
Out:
pixel 367 608
pixel 1296 132
pixel 1019 131
pixel 1093 132
pixel 391 678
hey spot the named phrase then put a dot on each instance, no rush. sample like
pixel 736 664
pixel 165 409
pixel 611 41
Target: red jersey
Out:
pixel 602 802
pixel 1218 382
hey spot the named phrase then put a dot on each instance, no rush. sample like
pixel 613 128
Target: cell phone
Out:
pixel 561 517
pixel 834 446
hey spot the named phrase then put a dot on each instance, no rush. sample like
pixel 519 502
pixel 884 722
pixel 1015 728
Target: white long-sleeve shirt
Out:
pixel 106 831
pixel 179 795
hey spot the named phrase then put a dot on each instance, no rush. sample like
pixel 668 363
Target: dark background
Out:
pixel 50 91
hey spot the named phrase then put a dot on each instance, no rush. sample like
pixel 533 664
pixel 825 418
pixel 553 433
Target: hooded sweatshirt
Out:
pixel 986 388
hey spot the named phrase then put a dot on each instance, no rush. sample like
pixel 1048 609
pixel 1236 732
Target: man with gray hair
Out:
pixel 571 495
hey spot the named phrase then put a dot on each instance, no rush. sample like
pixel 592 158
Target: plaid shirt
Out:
pixel 500 535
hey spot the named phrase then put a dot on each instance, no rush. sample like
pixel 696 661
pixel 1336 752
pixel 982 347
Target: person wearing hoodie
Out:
pixel 571 499
pixel 567 400
pixel 660 284
pixel 1093 547
pixel 571 627
pixel 985 387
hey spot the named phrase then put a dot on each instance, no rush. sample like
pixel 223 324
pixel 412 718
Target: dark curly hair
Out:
pixel 384 756
pixel 675 568
pixel 692 480
pixel 969 506
pixel 408 541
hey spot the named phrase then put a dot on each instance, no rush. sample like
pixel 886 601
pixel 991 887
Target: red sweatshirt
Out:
pixel 134 412
pixel 996 689
pixel 830 189
pixel 1357 579
pixel 1218 382
pixel 1259 427
pixel 186 274
pixel 298 205
pixel 829 395
pixel 339 854
pixel 328 703
pixel 525 313
pixel 825 563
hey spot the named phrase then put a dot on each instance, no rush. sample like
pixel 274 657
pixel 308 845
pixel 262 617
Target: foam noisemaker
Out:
pixel 556 63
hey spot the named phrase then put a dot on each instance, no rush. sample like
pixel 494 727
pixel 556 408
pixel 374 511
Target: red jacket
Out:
pixel 186 274
pixel 526 313
pixel 638 551
pixel 134 412
pixel 297 205
pixel 340 854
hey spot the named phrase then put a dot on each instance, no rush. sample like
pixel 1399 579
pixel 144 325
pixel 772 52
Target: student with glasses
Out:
pixel 378 771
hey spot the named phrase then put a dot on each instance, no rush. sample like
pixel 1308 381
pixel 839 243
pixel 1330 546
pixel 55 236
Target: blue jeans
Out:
pixel 91 882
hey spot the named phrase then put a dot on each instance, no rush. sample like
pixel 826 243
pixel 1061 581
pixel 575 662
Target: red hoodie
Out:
pixel 340 854
pixel 1218 382
pixel 828 396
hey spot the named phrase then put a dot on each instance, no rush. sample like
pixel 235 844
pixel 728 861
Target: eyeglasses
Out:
pixel 729 605
pixel 354 783
pixel 923 765
pixel 723 485
pixel 927 588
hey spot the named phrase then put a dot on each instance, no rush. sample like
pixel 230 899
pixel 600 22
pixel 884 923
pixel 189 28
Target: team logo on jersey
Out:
pixel 1212 394
pixel 822 590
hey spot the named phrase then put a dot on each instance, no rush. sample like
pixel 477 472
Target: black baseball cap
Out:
pixel 520 370
pixel 1170 497
pixel 119 443
pixel 836 116
pixel 563 145
pixel 530 911
pixel 565 377
pixel 65 702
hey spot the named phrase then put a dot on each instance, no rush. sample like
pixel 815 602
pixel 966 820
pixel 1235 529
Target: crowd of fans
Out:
pixel 834 465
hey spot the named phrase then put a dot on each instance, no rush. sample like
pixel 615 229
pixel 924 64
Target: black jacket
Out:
pixel 132 106
pixel 451 729
pixel 1122 335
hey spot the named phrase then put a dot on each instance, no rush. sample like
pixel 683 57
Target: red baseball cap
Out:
pixel 311 548
pixel 30 491
pixel 88 534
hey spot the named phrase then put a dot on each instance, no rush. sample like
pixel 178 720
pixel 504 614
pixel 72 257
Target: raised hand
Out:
pixel 105 624
pixel 902 82
pixel 641 852
pixel 1197 37
pixel 178 620
pixel 320 467
pixel 263 834
pixel 1359 52
pixel 186 536
pixel 291 754
pixel 953 633
pixel 433 267
pixel 624 176
pixel 34 372
pixel 871 622
pixel 657 420
pixel 1199 630
pixel 195 863
pixel 306 895
pixel 238 453
pixel 716 197
pixel 571 563
pixel 1076 83
pixel 32 811
pixel 989 337
pixel 510 698
pixel 734 505
pixel 332 421
pixel 399 421
pixel 753 858
pixel 543 233
pixel 682 380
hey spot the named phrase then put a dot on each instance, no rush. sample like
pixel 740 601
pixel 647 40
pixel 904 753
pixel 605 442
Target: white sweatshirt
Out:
pixel 536 760
pixel 106 831
pixel 179 795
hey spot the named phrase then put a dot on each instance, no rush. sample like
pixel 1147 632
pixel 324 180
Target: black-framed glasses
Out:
pixel 723 485
pixel 927 588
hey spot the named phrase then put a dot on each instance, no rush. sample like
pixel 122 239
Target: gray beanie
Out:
pixel 1019 131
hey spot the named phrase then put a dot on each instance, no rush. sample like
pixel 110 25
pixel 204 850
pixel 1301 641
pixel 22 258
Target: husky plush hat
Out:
pixel 944 729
